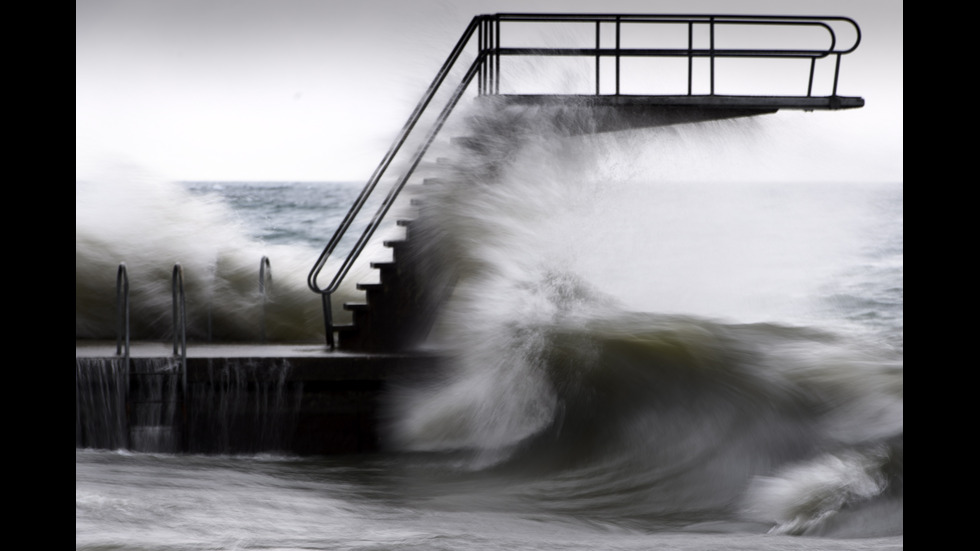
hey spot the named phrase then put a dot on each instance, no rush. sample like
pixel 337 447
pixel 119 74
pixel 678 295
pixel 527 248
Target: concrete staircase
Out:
pixel 399 309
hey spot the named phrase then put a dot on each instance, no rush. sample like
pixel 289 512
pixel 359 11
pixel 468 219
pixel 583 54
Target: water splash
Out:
pixel 654 347
pixel 151 225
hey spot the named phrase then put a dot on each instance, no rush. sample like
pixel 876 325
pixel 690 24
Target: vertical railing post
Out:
pixel 809 86
pixel 180 345
pixel 212 281
pixel 618 19
pixel 122 310
pixel 597 46
pixel 122 337
pixel 487 60
pixel 179 314
pixel 496 56
pixel 711 34
pixel 265 272
pixel 180 321
pixel 836 73
pixel 690 58
pixel 328 320
pixel 481 37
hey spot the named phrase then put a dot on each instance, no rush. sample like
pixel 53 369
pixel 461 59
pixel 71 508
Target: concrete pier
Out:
pixel 245 398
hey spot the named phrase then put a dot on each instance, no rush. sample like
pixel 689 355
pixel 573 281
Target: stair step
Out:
pixel 370 287
pixel 357 306
pixel 407 224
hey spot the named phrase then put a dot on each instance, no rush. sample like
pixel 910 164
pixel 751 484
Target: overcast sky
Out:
pixel 316 90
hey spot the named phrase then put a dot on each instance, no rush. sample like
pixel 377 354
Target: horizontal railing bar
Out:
pixel 640 17
pixel 661 52
pixel 774 20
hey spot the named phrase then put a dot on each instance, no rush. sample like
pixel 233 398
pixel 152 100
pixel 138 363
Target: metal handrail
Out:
pixel 123 336
pixel 180 320
pixel 712 52
pixel 386 161
pixel 486 67
pixel 265 272
pixel 122 309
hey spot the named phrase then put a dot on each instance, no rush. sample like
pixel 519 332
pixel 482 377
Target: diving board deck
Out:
pixel 611 113
pixel 754 103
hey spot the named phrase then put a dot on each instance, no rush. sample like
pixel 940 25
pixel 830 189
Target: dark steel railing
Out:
pixel 180 320
pixel 828 26
pixel 122 311
pixel 265 286
pixel 485 31
pixel 478 23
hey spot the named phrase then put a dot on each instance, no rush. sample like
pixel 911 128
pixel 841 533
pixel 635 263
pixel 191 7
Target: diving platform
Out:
pixel 629 71
pixel 611 113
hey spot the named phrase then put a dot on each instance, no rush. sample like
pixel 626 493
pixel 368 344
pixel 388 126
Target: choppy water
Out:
pixel 636 364
pixel 145 501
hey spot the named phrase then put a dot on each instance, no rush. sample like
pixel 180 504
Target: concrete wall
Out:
pixel 323 405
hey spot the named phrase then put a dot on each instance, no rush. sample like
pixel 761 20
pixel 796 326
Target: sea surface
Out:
pixel 637 364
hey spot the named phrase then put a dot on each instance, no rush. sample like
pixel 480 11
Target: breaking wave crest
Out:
pixel 598 407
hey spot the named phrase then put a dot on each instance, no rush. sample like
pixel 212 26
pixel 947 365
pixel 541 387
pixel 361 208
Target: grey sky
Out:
pixel 315 90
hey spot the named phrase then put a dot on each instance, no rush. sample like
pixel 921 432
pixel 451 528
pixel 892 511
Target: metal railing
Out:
pixel 486 32
pixel 179 321
pixel 179 308
pixel 827 27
